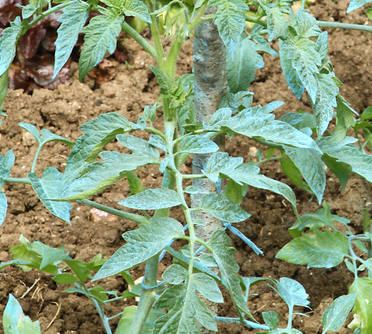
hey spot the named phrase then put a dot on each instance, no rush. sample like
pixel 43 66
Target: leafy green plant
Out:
pixel 225 57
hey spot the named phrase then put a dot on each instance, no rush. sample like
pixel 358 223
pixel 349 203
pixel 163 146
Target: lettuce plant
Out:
pixel 199 111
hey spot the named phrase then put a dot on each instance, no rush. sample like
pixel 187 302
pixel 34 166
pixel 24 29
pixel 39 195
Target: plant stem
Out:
pixel 44 14
pixel 23 180
pixel 34 162
pixel 349 26
pixel 131 216
pixel 140 40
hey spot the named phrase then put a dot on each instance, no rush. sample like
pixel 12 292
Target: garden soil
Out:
pixel 132 87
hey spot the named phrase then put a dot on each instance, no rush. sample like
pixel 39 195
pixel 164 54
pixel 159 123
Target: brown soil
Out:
pixel 66 108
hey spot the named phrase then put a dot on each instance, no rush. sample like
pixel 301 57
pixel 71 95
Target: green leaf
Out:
pixel 8 43
pixel 241 65
pixel 175 274
pixel 126 320
pixel 141 245
pixel 335 315
pixel 46 135
pixel 299 120
pixel 292 292
pixel 221 162
pixel 300 56
pixel 325 101
pixel 15 322
pixel 185 308
pixel 100 37
pixel 130 8
pixel 96 134
pixel 360 163
pixel 310 165
pixel 341 170
pixel 229 19
pixel 321 218
pixel 208 287
pixel 253 123
pixel 139 147
pixel 355 4
pixel 221 208
pixel 164 80
pixel 72 21
pixel 39 255
pixel 271 319
pixel 197 144
pixel 235 192
pixel 362 287
pixel 149 112
pixel 277 23
pixel 134 183
pixel 51 185
pixel 3 90
pixel 249 174
pixel 294 174
pixel 102 174
pixel 321 249
pixel 224 257
pixel 153 199
pixel 6 163
pixel 65 279
pixel 28 11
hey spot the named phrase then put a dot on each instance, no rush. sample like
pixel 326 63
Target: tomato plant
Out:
pixel 199 111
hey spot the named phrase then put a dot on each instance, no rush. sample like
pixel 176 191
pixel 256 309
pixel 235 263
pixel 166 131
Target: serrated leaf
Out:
pixel 139 146
pixel 14 320
pixel 134 182
pixel 253 122
pixel 249 174
pixel 241 65
pixel 96 134
pixel 197 144
pixel 221 208
pixel 229 19
pixel 46 135
pixel 149 112
pixel 224 257
pixel 277 22
pixel 175 274
pixel 292 292
pixel 221 162
pixel 310 165
pixel 102 174
pixel 362 287
pixel 39 255
pixel 185 309
pixel 325 101
pixel 153 199
pixel 335 315
pixel 164 80
pixel 51 185
pixel 360 162
pixel 141 245
pixel 355 4
pixel 3 90
pixel 302 57
pixel 8 44
pixel 136 8
pixel 72 21
pixel 304 24
pixel 100 37
pixel 28 11
pixel 158 142
pixel 321 249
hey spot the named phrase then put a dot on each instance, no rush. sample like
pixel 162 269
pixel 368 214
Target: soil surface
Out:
pixel 66 108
